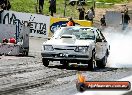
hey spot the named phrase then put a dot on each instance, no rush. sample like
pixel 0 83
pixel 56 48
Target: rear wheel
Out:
pixel 101 63
pixel 45 62
pixel 25 53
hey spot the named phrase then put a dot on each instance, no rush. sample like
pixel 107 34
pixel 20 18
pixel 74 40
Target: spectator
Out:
pixel 102 20
pixel 0 15
pixel 1 8
pixel 52 7
pixel 5 4
pixel 125 9
pixel 41 3
pixel 125 20
pixel 90 14
pixel 81 13
pixel 1 3
pixel 70 22
pixel 92 9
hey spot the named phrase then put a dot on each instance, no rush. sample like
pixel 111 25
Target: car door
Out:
pixel 101 45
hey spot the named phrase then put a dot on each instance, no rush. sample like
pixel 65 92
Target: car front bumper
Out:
pixel 68 57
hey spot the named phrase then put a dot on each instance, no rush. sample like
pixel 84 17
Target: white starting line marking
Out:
pixel 109 92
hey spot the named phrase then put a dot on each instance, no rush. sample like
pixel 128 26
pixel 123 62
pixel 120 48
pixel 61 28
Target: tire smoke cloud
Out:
pixel 120 47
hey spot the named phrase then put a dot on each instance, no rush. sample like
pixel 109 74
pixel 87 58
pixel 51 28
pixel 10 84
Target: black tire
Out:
pixel 45 62
pixel 26 53
pixel 91 62
pixel 65 64
pixel 101 63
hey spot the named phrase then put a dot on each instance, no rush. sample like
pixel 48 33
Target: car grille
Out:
pixel 62 49
pixel 65 48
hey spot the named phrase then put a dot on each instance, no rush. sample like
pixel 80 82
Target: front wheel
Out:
pixel 101 63
pixel 45 62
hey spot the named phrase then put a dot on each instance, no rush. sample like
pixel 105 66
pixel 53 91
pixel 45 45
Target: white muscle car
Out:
pixel 76 44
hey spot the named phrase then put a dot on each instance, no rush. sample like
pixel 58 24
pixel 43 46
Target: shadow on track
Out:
pixel 83 68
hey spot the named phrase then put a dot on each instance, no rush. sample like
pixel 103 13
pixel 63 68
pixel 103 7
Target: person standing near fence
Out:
pixel 41 3
pixel 1 9
pixel 7 5
pixel 125 20
pixel 102 21
pixel 125 17
pixel 4 5
pixel 52 7
pixel 81 13
pixel 70 22
pixel 90 14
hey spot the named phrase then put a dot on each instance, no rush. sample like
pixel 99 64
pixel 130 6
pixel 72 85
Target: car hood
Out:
pixel 68 41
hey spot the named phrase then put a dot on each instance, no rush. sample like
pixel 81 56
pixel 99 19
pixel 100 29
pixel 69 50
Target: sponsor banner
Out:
pixel 107 85
pixel 56 23
pixel 39 24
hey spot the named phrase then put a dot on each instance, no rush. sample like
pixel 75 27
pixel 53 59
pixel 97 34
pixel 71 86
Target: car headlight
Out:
pixel 48 47
pixel 81 49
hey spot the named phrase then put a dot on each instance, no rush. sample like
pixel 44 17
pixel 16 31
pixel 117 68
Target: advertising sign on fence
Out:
pixel 55 23
pixel 39 24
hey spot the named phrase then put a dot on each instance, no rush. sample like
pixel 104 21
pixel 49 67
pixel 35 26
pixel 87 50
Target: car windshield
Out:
pixel 80 33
